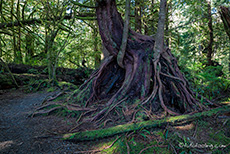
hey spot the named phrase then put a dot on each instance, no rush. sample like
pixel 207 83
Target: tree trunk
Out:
pixel 51 32
pixel 97 56
pixel 167 24
pixel 29 47
pixel 150 82
pixel 121 53
pixel 138 12
pixel 18 45
pixel 209 48
pixel 13 30
pixel 225 16
pixel 159 46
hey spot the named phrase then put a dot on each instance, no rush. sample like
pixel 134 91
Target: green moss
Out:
pixel 135 146
pixel 51 89
pixel 98 134
pixel 219 138
pixel 67 85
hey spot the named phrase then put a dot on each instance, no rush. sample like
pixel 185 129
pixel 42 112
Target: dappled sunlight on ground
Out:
pixel 185 127
pixel 6 144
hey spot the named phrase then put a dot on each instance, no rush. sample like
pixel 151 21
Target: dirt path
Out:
pixel 22 134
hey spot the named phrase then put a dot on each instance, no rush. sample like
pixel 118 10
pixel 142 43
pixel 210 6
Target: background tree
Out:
pixel 225 16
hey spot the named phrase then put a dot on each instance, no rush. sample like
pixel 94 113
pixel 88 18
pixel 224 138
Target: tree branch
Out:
pixel 39 21
pixel 82 5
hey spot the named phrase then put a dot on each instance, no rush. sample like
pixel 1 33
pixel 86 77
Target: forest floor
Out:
pixel 20 133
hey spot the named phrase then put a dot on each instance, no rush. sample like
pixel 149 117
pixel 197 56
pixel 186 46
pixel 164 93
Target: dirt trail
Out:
pixel 22 134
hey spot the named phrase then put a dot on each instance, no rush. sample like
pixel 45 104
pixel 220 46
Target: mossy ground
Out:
pixel 205 135
pixel 208 135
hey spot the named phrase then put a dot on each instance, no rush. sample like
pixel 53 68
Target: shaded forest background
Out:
pixel 56 34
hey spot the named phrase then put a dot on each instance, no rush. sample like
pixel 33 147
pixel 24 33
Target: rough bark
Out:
pixel 121 52
pixel 150 82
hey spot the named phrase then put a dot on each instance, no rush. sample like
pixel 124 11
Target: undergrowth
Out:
pixel 45 84
pixel 201 136
pixel 208 81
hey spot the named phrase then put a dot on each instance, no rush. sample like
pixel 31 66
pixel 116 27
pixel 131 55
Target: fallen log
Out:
pixel 108 132
pixel 23 73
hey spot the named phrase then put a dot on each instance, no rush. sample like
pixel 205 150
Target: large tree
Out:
pixel 150 82
pixel 225 16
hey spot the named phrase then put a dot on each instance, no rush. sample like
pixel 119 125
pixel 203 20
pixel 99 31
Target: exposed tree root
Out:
pixel 55 106
pixel 161 146
pixel 102 133
pixel 112 87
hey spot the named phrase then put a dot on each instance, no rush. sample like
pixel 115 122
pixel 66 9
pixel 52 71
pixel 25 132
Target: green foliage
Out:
pixel 33 71
pixel 36 85
pixel 209 81
pixel 6 81
pixel 189 41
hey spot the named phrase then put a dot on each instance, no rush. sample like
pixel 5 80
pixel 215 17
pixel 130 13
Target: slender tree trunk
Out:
pixel 168 5
pixel 14 35
pixel 121 53
pixel 97 60
pixel 50 35
pixel 210 44
pixel 29 47
pixel 47 48
pixel 1 11
pixel 2 19
pixel 138 13
pixel 159 45
pixel 0 46
pixel 19 52
pixel 152 24
pixel 51 55
pixel 146 27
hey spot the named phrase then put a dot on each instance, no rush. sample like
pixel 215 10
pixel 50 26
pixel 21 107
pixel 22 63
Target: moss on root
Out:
pixel 102 133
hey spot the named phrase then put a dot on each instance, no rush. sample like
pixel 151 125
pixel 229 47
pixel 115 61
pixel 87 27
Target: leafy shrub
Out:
pixel 208 81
